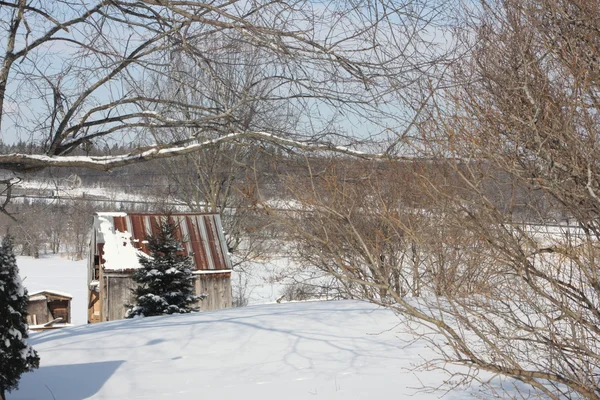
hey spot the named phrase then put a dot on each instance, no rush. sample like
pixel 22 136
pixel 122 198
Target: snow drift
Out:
pixel 330 350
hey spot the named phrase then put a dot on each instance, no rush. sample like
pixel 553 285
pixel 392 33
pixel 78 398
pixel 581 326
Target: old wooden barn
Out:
pixel 118 238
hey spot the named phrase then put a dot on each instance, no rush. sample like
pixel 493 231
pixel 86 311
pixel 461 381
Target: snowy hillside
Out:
pixel 329 350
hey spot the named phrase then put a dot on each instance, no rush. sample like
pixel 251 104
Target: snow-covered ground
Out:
pixel 332 350
pixel 261 282
pixel 59 274
pixel 329 350
pixel 65 191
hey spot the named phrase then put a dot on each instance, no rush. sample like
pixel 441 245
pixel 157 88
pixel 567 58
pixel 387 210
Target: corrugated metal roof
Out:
pixel 201 234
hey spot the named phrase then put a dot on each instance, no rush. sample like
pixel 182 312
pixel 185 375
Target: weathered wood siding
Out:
pixel 46 306
pixel 117 289
pixel 94 307
pixel 39 308
pixel 218 289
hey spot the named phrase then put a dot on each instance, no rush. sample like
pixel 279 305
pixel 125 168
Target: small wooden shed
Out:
pixel 48 309
pixel 118 239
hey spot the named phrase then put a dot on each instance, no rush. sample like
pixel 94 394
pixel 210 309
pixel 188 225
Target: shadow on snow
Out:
pixel 56 381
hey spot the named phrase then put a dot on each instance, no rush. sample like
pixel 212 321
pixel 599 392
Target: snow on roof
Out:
pixel 40 293
pixel 123 236
pixel 111 214
pixel 118 252
pixel 215 271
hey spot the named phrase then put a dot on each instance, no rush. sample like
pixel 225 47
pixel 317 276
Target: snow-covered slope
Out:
pixel 329 350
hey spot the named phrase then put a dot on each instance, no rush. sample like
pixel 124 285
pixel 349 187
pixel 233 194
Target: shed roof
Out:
pixel 123 236
pixel 43 294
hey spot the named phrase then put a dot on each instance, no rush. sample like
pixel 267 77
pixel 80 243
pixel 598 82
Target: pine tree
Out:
pixel 16 356
pixel 165 280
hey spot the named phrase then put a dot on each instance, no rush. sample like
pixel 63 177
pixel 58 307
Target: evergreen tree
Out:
pixel 16 356
pixel 165 280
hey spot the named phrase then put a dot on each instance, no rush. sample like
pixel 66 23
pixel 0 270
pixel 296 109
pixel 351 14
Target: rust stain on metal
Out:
pixel 201 234
pixel 199 257
pixel 120 224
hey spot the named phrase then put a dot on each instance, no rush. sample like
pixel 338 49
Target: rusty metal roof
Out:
pixel 201 234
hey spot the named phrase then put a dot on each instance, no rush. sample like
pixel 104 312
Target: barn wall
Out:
pixel 118 294
pixel 40 310
pixel 218 289
pixel 101 297
pixel 117 289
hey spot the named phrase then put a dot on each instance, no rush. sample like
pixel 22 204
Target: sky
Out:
pixel 26 109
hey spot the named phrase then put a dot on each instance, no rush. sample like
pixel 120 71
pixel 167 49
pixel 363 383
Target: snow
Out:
pixel 332 350
pixel 191 144
pixel 210 271
pixel 37 298
pixel 55 325
pixel 51 291
pixel 111 214
pixel 329 350
pixel 60 191
pixel 54 273
pixel 119 254
pixel 15 333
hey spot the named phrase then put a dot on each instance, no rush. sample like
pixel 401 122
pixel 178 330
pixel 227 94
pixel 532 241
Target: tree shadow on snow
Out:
pixel 56 381
pixel 231 315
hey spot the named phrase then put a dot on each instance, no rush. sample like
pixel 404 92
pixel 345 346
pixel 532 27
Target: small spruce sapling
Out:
pixel 16 356
pixel 165 280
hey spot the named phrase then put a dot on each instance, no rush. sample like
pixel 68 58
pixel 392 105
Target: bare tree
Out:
pixel 377 221
pixel 220 178
pixel 54 226
pixel 508 154
pixel 529 110
pixel 74 74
